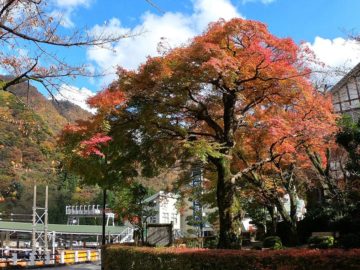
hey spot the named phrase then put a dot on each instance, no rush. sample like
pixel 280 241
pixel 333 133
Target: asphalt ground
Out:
pixel 86 266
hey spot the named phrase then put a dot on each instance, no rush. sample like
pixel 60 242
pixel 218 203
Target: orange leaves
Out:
pixel 107 99
pixel 243 49
pixel 307 122
pixel 274 100
pixel 87 138
pixel 77 128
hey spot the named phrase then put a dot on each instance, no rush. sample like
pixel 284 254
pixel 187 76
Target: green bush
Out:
pixel 211 242
pixel 273 242
pixel 116 257
pixel 321 242
pixel 351 240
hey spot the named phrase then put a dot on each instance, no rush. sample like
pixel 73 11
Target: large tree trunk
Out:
pixel 289 219
pixel 225 198
pixel 328 183
pixel 274 219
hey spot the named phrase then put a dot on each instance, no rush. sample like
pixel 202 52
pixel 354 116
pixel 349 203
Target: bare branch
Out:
pixel 19 78
pixel 155 6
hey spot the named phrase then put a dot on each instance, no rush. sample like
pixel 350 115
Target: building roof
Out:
pixel 161 194
pixel 345 79
pixel 62 228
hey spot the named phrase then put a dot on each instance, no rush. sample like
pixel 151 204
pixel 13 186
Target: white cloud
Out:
pixel 75 95
pixel 338 55
pixel 64 10
pixel 265 2
pixel 336 52
pixel 64 17
pixel 72 3
pixel 206 11
pixel 173 28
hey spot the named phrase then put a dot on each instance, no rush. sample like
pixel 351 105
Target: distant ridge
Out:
pixel 29 125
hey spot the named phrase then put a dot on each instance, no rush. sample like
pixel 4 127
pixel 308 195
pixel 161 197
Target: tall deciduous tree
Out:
pixel 87 147
pixel 214 97
pixel 288 134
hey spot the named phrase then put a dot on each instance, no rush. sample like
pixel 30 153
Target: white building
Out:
pixel 166 207
pixel 346 100
pixel 346 93
pixel 166 210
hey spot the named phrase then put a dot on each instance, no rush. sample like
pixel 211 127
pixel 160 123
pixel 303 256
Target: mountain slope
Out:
pixel 29 124
pixel 55 113
pixel 70 111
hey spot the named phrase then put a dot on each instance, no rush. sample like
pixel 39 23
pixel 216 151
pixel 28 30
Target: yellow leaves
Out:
pixel 105 126
pixel 203 149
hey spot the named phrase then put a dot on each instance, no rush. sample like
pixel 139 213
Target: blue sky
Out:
pixel 323 24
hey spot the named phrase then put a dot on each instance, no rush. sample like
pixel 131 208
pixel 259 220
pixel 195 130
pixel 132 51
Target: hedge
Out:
pixel 116 257
pixel 321 241
pixel 273 242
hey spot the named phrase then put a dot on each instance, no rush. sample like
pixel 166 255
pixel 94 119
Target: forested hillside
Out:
pixel 29 124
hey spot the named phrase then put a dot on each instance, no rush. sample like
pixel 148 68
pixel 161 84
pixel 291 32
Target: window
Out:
pixel 174 218
pixel 152 219
pixel 208 233
pixel 165 217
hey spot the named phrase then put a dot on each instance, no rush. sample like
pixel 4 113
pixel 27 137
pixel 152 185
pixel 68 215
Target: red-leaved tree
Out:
pixel 237 97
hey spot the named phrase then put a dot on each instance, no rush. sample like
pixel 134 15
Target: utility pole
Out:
pixel 37 218
pixel 103 242
pixel 46 246
pixel 33 238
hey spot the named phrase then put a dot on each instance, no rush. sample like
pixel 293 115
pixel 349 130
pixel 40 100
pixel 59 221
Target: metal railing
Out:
pixel 23 257
pixel 125 237
pixel 83 210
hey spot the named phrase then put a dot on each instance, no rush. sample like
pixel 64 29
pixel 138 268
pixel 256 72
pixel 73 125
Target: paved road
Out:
pixel 86 266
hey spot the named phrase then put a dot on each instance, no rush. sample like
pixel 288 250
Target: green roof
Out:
pixel 62 228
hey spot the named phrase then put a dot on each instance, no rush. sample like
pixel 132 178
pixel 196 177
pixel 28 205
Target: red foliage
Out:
pixel 91 146
pixel 193 258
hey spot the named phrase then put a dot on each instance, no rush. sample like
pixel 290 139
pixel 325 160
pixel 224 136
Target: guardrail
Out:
pixel 60 257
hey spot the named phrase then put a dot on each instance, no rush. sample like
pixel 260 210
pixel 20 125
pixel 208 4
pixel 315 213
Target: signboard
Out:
pixel 159 235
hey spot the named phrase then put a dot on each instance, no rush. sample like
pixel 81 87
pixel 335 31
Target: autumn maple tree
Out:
pixel 87 146
pixel 286 137
pixel 237 97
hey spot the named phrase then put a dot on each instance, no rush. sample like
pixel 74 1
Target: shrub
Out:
pixel 273 242
pixel 117 257
pixel 321 241
pixel 351 240
pixel 191 242
pixel 211 242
